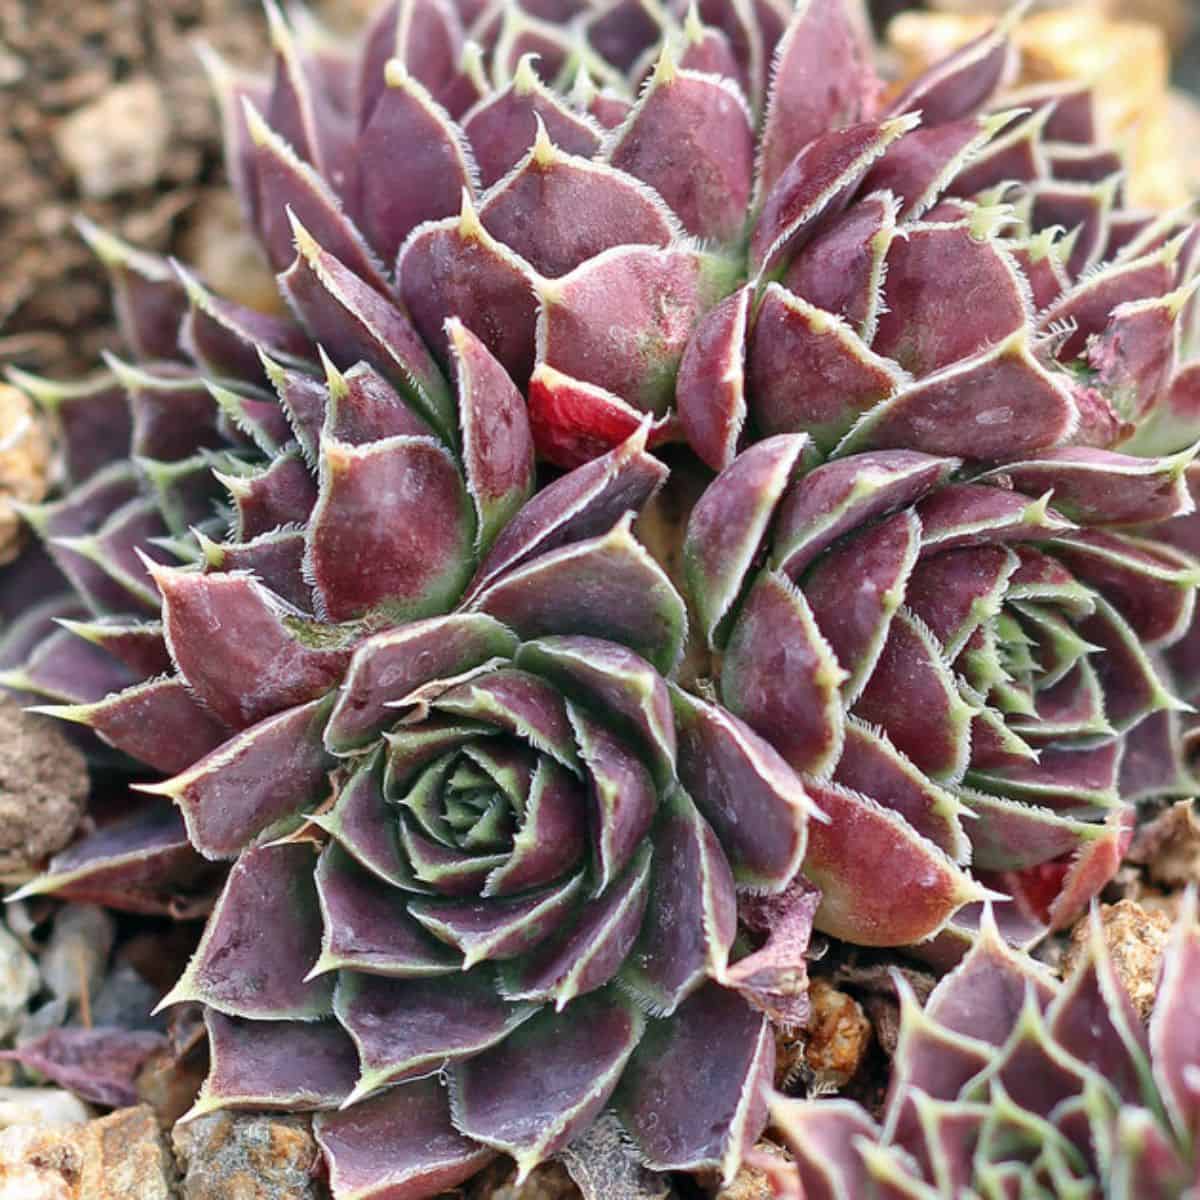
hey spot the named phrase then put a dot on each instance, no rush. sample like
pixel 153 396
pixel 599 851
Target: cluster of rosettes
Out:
pixel 423 693
pixel 1011 1083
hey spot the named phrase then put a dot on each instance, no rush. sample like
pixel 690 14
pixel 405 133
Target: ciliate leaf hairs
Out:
pixel 359 580
pixel 1011 1083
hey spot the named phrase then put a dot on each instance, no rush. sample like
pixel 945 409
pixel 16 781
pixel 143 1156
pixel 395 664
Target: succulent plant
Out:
pixel 422 693
pixel 1011 1083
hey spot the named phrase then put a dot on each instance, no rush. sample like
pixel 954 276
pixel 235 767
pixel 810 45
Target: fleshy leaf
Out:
pixel 261 938
pixel 534 1092
pixel 728 1050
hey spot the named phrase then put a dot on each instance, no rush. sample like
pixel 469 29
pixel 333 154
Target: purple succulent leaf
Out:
pixel 622 320
pixel 837 497
pixel 446 871
pixel 415 745
pixel 855 589
pixel 500 927
pixel 682 117
pixel 455 268
pixel 919 168
pixel 139 645
pixel 142 864
pixel 66 669
pixel 622 797
pixel 691 914
pixel 259 777
pixel 591 950
pixel 781 677
pixel 774 978
pixel 1153 763
pixel 1084 208
pixel 266 658
pixel 517 703
pixel 85 509
pixel 809 372
pixel 275 558
pixel 364 825
pixel 872 766
pixel 822 1138
pixel 584 503
pixel 1147 1161
pixel 957 591
pixel 392 665
pixel 710 390
pixel 502 126
pixel 416 161
pixel 534 1092
pixel 919 328
pixel 971 514
pixel 290 193
pixel 261 938
pixel 392 529
pixel 173 413
pixel 149 300
pixel 822 40
pixel 1034 1072
pixel 728 1050
pixel 1013 834
pixel 1152 585
pixel 99 1064
pixel 290 1065
pixel 745 36
pixel 748 794
pixel 584 208
pixel 1087 306
pixel 1063 778
pixel 353 321
pixel 552 836
pixel 1015 408
pixel 91 414
pixel 1131 685
pixel 547 46
pixel 729 522
pixel 1174 1025
pixel 1020 154
pixel 605 677
pixel 398 1146
pixel 815 187
pixel 983 997
pixel 157 722
pixel 366 926
pixel 607 587
pixel 246 417
pixel 228 339
pixel 707 49
pixel 281 494
pixel 362 407
pixel 861 845
pixel 964 82
pixel 498 454
pixel 574 422
pixel 623 31
pixel 841 269
pixel 949 1134
pixel 1176 418
pixel 1092 868
pixel 303 398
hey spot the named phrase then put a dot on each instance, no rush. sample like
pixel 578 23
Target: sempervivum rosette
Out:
pixel 958 659
pixel 473 828
pixel 1012 1083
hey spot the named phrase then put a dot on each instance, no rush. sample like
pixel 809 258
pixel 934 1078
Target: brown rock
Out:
pixel 43 785
pixel 234 1156
pixel 752 1182
pixel 117 143
pixel 1136 940
pixel 24 463
pixel 118 1157
pixel 839 1035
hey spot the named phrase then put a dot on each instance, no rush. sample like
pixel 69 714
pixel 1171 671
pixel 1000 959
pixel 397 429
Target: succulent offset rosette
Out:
pixel 473 828
pixel 1009 1079
pixel 956 659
